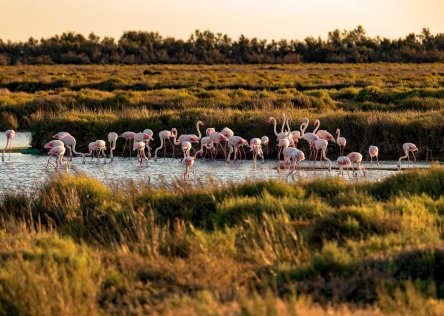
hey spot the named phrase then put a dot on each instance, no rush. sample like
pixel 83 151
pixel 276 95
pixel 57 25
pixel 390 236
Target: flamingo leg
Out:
pixel 172 145
pixel 414 159
pixel 377 160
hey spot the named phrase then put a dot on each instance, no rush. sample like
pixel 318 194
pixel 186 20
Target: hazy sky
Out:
pixel 270 19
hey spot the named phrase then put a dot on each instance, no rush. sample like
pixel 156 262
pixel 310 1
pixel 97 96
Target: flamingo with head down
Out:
pixel 140 147
pixel 58 152
pixel 356 158
pixel 373 151
pixel 296 157
pixel 343 161
pixel 408 148
pixel 256 148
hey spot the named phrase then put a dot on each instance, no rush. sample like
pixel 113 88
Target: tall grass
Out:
pixel 76 246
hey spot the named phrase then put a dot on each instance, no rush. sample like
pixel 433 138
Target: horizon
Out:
pixel 282 19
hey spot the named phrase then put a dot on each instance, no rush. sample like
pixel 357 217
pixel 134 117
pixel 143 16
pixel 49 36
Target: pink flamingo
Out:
pixel 294 136
pixel 265 141
pixel 373 151
pixel 296 157
pixel 189 163
pixel 321 145
pixel 216 138
pixel 70 143
pixel 284 144
pixel 140 147
pixel 9 137
pixel 408 148
pixel 205 142
pixel 98 147
pixel 164 136
pixel 112 138
pixel 234 144
pixel 341 141
pixel 58 152
pixel 356 158
pixel 128 137
pixel 186 148
pixel 283 134
pixel 192 138
pixel 147 142
pixel 323 134
pixel 256 148
pixel 144 137
pixel 210 130
pixel 309 137
pixel 52 144
pixel 343 161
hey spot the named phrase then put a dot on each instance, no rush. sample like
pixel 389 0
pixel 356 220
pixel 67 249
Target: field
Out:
pixel 76 246
pixel 382 104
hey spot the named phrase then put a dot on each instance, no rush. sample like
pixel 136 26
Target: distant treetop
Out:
pixel 205 47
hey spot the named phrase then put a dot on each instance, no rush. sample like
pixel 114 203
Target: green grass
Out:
pixel 77 246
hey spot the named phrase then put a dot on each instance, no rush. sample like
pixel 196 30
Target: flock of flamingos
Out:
pixel 217 142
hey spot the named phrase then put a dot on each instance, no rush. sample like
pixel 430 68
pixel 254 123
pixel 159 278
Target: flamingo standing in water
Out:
pixel 309 137
pixel 295 136
pixel 216 138
pixel 9 136
pixel 283 134
pixel 144 137
pixel 70 143
pixel 164 136
pixel 256 148
pixel 356 158
pixel 96 148
pixel 147 142
pixel 205 142
pixel 112 138
pixel 408 148
pixel 343 161
pixel 52 144
pixel 296 157
pixel 189 163
pixel 128 137
pixel 140 147
pixel 58 152
pixel 265 141
pixel 321 145
pixel 234 144
pixel 341 141
pixel 373 151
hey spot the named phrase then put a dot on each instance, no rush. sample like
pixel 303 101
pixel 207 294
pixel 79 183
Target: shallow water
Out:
pixel 25 172
pixel 21 140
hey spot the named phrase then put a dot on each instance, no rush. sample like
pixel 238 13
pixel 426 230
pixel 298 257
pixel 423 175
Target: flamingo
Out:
pixel 144 137
pixel 140 147
pixel 112 138
pixel 343 161
pixel 408 148
pixel 256 148
pixel 234 144
pixel 128 137
pixel 309 137
pixel 9 136
pixel 296 157
pixel 70 143
pixel 373 151
pixel 284 144
pixel 322 133
pixel 294 135
pixel 205 142
pixel 189 163
pixel 321 145
pixel 216 138
pixel 283 134
pixel 192 138
pixel 147 142
pixel 58 152
pixel 186 148
pixel 341 141
pixel 265 141
pixel 210 130
pixel 164 136
pixel 98 147
pixel 356 158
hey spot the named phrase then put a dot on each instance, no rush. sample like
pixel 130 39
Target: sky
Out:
pixel 265 19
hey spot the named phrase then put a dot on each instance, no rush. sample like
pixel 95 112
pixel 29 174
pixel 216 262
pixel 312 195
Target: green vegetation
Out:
pixel 205 47
pixel 76 246
pixel 381 104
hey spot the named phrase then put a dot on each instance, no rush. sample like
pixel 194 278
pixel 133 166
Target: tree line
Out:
pixel 205 47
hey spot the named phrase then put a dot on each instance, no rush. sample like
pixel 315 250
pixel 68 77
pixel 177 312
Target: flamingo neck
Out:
pixel 283 124
pixel 275 131
pixel 317 125
pixel 198 130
